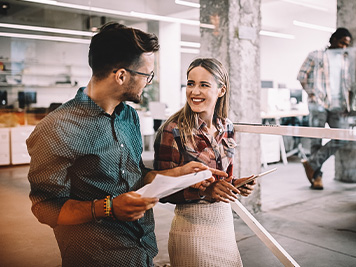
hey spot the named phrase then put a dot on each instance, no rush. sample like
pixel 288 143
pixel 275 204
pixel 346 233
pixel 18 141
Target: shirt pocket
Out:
pixel 205 156
pixel 229 146
pixel 190 153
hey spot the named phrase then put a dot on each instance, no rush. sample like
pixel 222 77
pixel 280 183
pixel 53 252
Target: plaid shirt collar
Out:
pixel 201 125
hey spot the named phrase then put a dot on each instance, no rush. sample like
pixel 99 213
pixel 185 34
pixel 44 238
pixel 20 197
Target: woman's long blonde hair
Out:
pixel 185 117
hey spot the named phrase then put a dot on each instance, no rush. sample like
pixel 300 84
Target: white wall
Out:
pixel 282 58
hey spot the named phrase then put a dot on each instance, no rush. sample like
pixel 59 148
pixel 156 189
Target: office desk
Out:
pixel 277 115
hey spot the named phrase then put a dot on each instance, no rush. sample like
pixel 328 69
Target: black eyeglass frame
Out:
pixel 149 76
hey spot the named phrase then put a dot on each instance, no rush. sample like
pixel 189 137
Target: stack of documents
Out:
pixel 163 186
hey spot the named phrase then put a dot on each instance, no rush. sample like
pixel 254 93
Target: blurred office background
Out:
pixel 44 47
pixel 43 61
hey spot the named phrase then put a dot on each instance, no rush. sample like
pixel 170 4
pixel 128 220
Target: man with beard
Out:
pixel 86 159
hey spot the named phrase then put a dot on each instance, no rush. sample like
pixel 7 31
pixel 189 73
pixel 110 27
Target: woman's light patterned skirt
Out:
pixel 202 235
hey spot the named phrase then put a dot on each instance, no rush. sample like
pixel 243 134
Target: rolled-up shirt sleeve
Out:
pixel 48 177
pixel 305 75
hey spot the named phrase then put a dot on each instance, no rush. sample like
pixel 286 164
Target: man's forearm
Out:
pixel 78 212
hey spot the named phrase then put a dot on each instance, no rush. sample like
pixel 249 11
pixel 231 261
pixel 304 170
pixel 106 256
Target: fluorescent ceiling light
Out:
pixel 131 14
pixel 85 41
pixel 81 7
pixel 190 44
pixel 50 2
pixel 277 34
pixel 45 37
pixel 45 29
pixel 299 3
pixel 313 26
pixel 208 26
pixel 189 50
pixel 163 18
pixel 186 3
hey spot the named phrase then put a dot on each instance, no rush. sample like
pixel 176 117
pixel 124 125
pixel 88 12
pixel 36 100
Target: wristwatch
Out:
pixel 201 197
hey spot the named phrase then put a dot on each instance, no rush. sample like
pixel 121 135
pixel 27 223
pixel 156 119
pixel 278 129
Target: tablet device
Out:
pixel 247 180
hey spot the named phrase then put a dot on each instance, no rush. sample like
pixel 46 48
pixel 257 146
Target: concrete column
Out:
pixel 346 16
pixel 345 163
pixel 235 42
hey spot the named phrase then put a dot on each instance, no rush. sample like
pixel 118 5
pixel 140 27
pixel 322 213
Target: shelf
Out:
pixel 10 72
pixel 31 74
pixel 2 84
pixel 36 75
pixel 28 63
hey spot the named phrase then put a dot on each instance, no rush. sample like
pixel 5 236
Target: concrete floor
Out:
pixel 317 228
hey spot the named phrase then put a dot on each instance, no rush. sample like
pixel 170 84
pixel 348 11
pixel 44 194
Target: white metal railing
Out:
pixel 310 132
pixel 263 235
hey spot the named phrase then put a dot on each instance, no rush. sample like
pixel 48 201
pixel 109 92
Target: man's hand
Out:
pixel 131 206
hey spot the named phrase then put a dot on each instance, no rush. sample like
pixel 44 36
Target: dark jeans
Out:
pixel 318 117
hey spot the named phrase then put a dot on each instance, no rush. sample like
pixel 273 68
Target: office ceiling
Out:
pixel 277 15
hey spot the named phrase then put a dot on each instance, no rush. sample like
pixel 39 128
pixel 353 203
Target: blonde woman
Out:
pixel 202 230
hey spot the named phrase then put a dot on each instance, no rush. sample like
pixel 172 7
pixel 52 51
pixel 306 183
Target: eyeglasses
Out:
pixel 149 76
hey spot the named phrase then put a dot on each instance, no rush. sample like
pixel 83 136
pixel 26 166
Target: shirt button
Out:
pixel 122 171
pixel 122 145
pixel 219 161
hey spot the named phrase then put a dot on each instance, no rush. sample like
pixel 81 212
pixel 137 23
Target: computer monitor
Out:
pixel 297 94
pixel 3 98
pixel 26 98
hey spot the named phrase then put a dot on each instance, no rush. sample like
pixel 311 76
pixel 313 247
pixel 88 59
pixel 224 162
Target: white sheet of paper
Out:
pixel 163 185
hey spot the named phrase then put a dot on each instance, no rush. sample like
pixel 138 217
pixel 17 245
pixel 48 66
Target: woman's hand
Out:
pixel 246 189
pixel 192 167
pixel 204 184
pixel 188 168
pixel 220 190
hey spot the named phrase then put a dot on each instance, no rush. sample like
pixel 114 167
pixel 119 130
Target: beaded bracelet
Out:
pixel 108 209
pixel 93 211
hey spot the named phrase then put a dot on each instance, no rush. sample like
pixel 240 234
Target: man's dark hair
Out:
pixel 118 46
pixel 339 33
